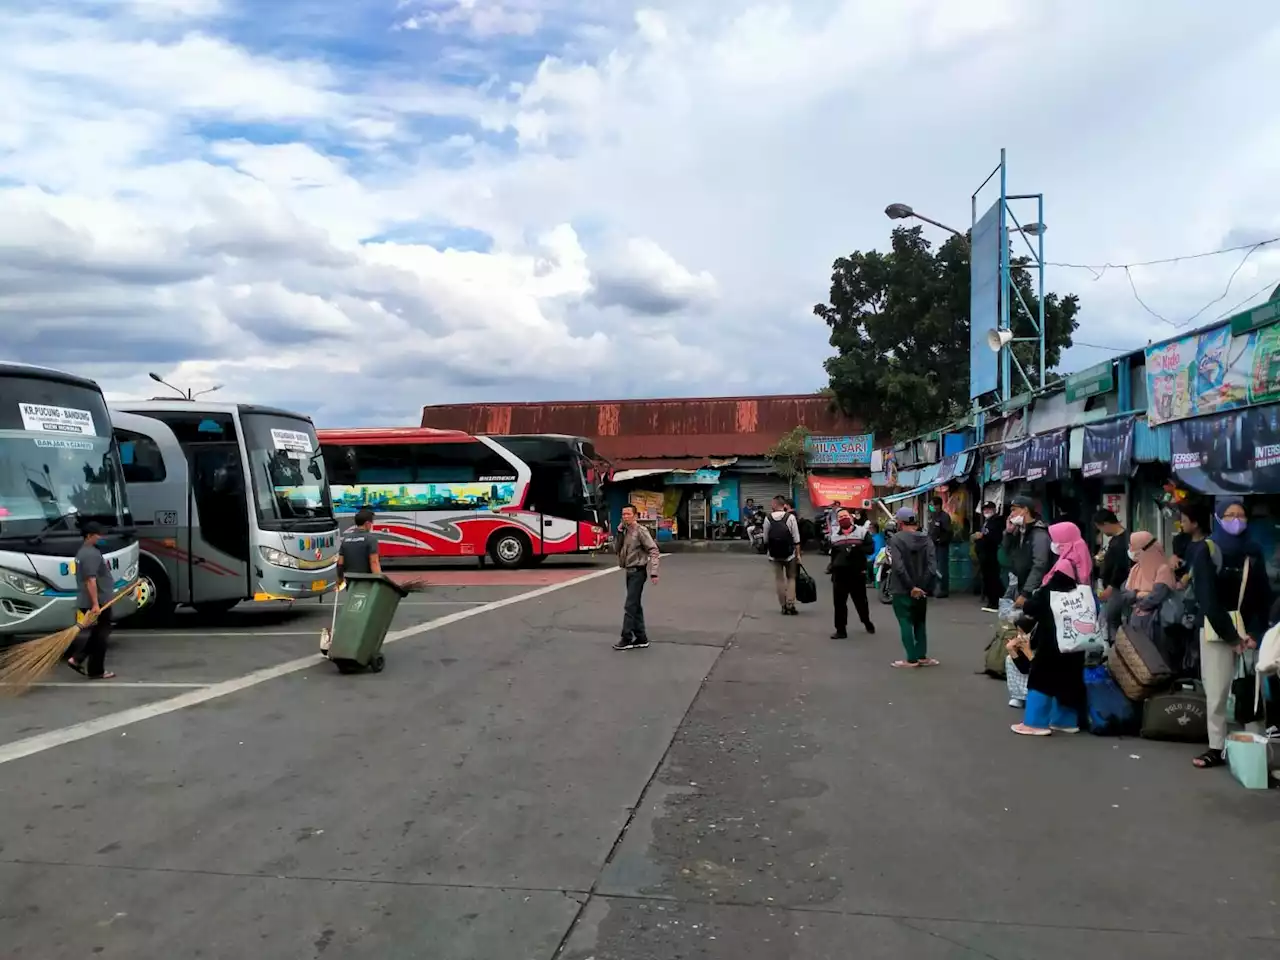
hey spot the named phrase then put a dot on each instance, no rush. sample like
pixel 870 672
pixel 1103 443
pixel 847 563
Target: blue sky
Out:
pixel 355 208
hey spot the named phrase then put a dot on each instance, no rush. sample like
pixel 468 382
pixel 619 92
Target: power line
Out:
pixel 1101 268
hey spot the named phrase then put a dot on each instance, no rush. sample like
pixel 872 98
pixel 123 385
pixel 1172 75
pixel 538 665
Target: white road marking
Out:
pixel 442 603
pixel 196 632
pixel 114 721
pixel 94 684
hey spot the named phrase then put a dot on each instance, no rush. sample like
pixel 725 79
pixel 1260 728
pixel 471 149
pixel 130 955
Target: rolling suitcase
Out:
pixel 1143 660
pixel 1125 680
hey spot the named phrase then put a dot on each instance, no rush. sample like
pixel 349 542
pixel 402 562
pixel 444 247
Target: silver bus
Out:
pixel 231 502
pixel 59 468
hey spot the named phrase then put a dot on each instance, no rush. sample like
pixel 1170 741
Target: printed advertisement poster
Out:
pixel 1108 449
pixel 1048 456
pixel 838 451
pixel 1013 464
pixel 853 492
pixel 648 502
pixel 1230 453
pixel 1212 372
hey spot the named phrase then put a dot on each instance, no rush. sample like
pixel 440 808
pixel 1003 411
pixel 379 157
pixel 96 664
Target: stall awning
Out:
pixel 621 476
pixel 908 494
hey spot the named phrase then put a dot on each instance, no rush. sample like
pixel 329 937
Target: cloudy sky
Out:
pixel 354 207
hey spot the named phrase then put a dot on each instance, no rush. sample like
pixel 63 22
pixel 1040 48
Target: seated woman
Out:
pixel 1055 683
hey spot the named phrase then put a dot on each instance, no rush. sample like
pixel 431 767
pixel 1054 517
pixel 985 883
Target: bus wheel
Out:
pixel 155 583
pixel 509 549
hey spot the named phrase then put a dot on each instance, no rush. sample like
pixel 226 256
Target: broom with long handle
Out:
pixel 326 635
pixel 25 663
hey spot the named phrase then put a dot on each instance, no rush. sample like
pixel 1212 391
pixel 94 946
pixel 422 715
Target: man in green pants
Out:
pixel 912 577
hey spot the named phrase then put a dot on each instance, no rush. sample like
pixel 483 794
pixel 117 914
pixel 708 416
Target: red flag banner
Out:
pixel 849 491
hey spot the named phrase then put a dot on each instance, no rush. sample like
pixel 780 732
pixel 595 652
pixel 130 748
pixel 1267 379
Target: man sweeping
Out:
pixel 94 589
pixel 638 557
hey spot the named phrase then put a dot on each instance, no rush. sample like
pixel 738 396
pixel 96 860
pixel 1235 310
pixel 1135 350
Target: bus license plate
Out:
pixel 319 584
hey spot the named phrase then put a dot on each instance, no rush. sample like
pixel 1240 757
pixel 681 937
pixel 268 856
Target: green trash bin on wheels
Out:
pixel 363 621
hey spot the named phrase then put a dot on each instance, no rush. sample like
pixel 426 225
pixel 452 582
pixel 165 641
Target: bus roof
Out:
pixel 354 436
pixel 12 368
pixel 201 406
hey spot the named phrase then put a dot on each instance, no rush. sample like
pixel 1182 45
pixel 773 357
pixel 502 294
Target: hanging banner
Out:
pixel 1048 456
pixel 1013 464
pixel 1212 372
pixel 1108 449
pixel 1230 453
pixel 853 492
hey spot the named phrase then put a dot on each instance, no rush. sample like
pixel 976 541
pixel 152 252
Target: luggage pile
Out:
pixel 1170 710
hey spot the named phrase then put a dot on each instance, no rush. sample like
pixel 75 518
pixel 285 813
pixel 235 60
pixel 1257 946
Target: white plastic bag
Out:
pixel 1269 653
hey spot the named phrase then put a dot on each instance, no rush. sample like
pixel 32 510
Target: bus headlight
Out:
pixel 22 583
pixel 278 558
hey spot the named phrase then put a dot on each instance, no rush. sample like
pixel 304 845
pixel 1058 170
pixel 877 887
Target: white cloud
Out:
pixel 512 202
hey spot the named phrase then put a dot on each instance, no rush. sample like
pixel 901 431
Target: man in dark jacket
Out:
pixel 986 543
pixel 913 575
pixel 940 535
pixel 1030 555
pixel 849 547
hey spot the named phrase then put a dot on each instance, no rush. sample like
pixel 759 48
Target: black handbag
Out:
pixel 1246 696
pixel 806 587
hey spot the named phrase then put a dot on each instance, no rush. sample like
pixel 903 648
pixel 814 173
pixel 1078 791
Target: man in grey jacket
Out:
pixel 1029 550
pixel 638 557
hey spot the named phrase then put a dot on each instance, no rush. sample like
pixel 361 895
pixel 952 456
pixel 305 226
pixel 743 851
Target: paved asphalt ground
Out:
pixel 512 789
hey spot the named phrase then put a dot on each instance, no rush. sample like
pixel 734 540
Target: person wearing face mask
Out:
pixel 1149 585
pixel 1029 553
pixel 986 543
pixel 940 533
pixel 1228 577
pixel 1055 684
pixel 850 545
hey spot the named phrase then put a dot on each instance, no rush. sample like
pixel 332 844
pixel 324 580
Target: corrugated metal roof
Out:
pixel 639 429
pixel 1152 444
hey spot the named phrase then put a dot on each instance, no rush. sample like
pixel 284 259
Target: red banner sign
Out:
pixel 852 492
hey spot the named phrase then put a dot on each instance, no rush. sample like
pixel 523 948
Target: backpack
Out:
pixel 778 540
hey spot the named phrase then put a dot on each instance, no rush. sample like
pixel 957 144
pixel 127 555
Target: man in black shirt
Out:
pixel 940 534
pixel 987 545
pixel 358 552
pixel 1115 564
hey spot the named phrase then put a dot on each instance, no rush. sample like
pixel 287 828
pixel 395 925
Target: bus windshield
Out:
pixel 58 464
pixel 289 482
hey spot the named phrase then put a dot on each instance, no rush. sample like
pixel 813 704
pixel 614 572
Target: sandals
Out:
pixel 79 668
pixel 106 675
pixel 1210 758
pixel 906 664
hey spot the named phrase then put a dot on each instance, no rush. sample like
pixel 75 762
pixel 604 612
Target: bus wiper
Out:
pixel 39 536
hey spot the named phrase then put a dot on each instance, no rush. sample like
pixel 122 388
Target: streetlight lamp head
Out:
pixel 898 211
pixel 155 377
pixel 1034 229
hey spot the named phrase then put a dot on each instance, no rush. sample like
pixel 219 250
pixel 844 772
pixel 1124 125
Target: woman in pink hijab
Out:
pixel 1055 685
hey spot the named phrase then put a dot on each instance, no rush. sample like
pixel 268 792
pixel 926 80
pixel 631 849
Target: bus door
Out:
pixel 218 557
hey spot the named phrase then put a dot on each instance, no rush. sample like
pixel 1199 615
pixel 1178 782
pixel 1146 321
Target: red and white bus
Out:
pixel 445 493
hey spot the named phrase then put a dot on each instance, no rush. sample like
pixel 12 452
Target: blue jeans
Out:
pixel 1044 711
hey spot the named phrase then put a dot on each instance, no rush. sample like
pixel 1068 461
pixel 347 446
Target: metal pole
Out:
pixel 1040 238
pixel 1006 371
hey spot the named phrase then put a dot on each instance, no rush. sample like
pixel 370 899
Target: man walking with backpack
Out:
pixel 782 546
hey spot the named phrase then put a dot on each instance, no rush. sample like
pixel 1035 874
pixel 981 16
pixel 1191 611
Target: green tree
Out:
pixel 900 326
pixel 787 454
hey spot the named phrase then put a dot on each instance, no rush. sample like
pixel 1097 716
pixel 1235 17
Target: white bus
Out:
pixel 231 502
pixel 59 469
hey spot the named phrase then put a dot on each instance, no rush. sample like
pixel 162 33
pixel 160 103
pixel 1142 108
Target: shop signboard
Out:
pixel 1212 372
pixel 1090 382
pixel 849 491
pixel 1108 449
pixel 838 451
pixel 1229 453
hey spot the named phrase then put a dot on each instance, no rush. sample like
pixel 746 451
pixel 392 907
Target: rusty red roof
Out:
pixel 629 430
pixel 354 436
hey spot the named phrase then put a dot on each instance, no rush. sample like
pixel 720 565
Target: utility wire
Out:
pixel 1103 267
